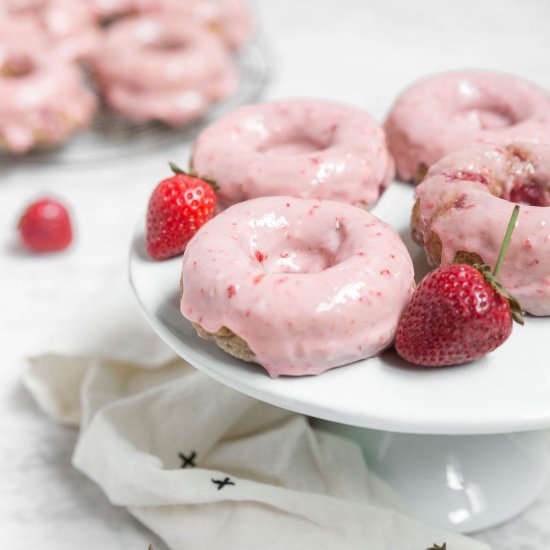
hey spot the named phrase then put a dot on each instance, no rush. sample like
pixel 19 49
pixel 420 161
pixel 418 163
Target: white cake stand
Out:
pixel 432 433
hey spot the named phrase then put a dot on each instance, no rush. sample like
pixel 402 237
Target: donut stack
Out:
pixel 479 143
pixel 147 64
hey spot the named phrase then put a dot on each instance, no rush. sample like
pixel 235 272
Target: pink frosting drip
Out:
pixel 457 204
pixel 446 112
pixel 300 147
pixel 152 67
pixel 309 285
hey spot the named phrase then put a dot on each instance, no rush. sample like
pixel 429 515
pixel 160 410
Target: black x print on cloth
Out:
pixel 188 460
pixel 222 482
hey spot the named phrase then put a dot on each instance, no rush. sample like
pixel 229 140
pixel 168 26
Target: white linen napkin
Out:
pixel 207 468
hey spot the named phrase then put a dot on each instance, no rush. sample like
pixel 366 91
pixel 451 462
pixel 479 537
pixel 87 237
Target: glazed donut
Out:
pixel 155 68
pixel 445 112
pixel 298 286
pixel 70 26
pixel 300 147
pixel 464 205
pixel 230 20
pixel 44 99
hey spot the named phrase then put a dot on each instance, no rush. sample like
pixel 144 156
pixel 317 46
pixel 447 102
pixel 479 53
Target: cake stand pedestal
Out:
pixel 463 445
pixel 463 483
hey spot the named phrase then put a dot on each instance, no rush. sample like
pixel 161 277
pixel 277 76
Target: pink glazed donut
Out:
pixel 155 68
pixel 464 205
pixel 445 112
pixel 298 286
pixel 43 97
pixel 308 148
pixel 69 25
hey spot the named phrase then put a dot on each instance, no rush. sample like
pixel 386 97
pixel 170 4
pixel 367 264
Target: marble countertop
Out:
pixel 79 302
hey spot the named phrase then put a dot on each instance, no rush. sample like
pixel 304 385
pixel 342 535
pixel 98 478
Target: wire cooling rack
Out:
pixel 111 137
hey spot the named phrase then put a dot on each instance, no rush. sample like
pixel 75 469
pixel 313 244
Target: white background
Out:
pixel 362 52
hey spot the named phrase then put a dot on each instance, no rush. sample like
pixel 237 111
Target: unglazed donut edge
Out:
pixel 225 338
pixel 433 245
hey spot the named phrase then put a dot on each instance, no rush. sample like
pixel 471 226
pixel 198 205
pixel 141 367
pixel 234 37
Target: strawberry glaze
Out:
pixel 445 112
pixel 308 284
pixel 466 201
pixel 155 68
pixel 44 98
pixel 306 148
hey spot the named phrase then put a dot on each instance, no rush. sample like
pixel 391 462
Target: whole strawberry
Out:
pixel 178 207
pixel 457 314
pixel 45 226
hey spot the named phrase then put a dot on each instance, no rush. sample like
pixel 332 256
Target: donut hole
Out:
pixel 527 187
pixel 17 65
pixel 531 193
pixel 291 253
pixel 492 117
pixel 168 44
pixel 298 142
pixel 302 258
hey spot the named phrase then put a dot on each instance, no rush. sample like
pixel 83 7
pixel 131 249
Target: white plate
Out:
pixel 507 391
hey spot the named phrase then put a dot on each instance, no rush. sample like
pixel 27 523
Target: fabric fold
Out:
pixel 204 466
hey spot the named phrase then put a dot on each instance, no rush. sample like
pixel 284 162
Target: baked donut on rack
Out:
pixel 155 68
pixel 68 25
pixel 308 148
pixel 465 202
pixel 299 286
pixel 44 98
pixel 445 112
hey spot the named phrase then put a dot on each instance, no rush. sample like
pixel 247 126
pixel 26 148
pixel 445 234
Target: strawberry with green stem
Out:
pixel 179 206
pixel 458 313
